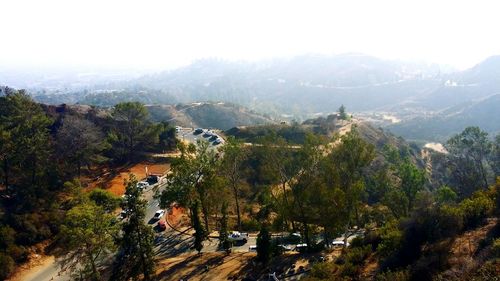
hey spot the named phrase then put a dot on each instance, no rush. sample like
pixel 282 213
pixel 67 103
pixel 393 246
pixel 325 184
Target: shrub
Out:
pixel 495 248
pixel 392 239
pixel 372 238
pixel 322 270
pixel 105 199
pixel 357 256
pixel 401 275
pixel 250 225
pixel 18 253
pixel 476 209
pixel 349 269
pixel 357 242
pixel 6 266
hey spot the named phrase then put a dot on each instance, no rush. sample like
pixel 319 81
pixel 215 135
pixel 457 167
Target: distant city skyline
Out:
pixel 156 35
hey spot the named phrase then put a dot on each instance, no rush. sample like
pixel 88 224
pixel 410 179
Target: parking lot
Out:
pixel 190 135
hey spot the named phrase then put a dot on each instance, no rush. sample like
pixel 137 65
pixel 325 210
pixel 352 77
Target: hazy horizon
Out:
pixel 160 35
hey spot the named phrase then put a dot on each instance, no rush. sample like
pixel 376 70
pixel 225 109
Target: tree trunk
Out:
pixel 6 172
pixel 237 200
pixel 95 272
pixel 285 201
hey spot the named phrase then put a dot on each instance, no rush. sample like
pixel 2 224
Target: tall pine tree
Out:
pixel 136 255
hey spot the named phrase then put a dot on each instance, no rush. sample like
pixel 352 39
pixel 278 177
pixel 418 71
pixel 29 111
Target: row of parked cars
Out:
pixel 209 135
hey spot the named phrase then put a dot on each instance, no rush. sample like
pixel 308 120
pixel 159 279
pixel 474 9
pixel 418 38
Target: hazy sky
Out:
pixel 164 34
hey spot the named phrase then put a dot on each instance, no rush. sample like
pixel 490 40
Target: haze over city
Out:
pixel 158 35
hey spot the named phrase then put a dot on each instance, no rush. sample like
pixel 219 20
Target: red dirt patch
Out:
pixel 114 181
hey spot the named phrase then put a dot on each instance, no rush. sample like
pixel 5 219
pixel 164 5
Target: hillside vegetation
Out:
pixel 207 115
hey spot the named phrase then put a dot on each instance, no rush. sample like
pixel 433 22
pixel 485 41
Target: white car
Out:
pixel 159 214
pixel 238 236
pixel 142 184
pixel 339 243
pixel 300 247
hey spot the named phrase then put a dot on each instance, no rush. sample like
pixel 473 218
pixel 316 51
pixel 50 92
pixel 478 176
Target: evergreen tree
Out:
pixel 199 234
pixel 136 255
pixel 24 147
pixel 342 113
pixel 412 181
pixel 468 152
pixel 264 245
pixel 87 233
pixel 132 129
pixel 224 242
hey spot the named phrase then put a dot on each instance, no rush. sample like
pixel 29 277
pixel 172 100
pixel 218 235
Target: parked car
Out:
pixel 238 236
pixel 198 131
pixel 159 214
pixel 339 243
pixel 217 141
pixel 301 247
pixel 154 179
pixel 252 248
pixel 142 184
pixel 213 137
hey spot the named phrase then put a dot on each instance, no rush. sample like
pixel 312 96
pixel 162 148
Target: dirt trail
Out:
pixel 33 270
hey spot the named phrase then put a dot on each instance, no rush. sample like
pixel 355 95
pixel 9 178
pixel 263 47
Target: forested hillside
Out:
pixel 207 115
pixel 47 155
pixel 365 184
pixel 396 213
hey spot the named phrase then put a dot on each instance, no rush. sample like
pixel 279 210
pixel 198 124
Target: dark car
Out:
pixel 198 131
pixel 162 225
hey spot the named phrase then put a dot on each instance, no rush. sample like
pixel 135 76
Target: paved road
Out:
pixel 49 272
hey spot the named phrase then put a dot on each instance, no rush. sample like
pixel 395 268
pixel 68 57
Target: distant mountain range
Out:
pixel 431 101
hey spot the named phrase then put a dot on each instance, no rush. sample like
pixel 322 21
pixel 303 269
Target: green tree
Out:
pixel 494 158
pixel 167 136
pixel 304 187
pixel 280 166
pixel 136 256
pixel 193 180
pixel 264 245
pixel 412 181
pixel 88 234
pixel 105 199
pixel 199 232
pixel 233 166
pixel 24 146
pixel 468 152
pixel 133 130
pixel 342 113
pixel 223 232
pixel 445 194
pixel 344 171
